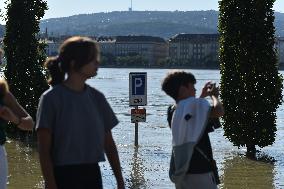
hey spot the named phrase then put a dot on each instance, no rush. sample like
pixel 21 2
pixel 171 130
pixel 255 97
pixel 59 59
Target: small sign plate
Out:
pixel 138 115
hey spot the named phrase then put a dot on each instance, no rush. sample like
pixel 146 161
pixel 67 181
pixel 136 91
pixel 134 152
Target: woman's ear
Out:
pixel 181 92
pixel 72 64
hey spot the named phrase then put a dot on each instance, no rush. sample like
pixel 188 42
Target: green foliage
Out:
pixel 167 62
pixel 250 83
pixel 108 59
pixel 205 62
pixel 24 54
pixel 132 61
pixel 154 23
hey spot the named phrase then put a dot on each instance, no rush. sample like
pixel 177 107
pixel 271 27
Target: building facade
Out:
pixel 195 49
pixel 280 51
pixel 200 50
pixel 153 49
pixel 52 47
pixel 107 45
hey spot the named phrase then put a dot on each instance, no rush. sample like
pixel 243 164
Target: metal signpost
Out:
pixel 137 97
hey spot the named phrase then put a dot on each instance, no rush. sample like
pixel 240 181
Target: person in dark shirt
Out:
pixel 74 121
pixel 191 119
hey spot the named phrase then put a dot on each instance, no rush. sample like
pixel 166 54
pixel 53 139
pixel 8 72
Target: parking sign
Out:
pixel 137 89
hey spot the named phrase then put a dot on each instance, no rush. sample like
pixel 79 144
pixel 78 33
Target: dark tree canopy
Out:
pixel 24 53
pixel 250 83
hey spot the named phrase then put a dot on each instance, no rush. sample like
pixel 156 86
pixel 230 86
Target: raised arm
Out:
pixel 15 113
pixel 205 92
pixel 218 109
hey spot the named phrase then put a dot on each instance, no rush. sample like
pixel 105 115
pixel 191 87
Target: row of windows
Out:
pixel 195 57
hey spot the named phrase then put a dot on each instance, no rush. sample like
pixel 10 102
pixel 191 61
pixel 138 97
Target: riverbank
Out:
pixel 281 68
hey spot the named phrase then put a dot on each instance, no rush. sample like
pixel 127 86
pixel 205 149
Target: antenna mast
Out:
pixel 130 9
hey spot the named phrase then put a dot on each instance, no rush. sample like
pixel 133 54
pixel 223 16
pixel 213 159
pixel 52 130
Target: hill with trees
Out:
pixel 155 23
pixel 279 24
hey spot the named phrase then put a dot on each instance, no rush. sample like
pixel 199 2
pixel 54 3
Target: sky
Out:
pixel 63 8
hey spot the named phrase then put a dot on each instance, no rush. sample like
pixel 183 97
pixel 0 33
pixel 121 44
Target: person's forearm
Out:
pixel 44 148
pixel 25 123
pixel 218 109
pixel 47 170
pixel 113 158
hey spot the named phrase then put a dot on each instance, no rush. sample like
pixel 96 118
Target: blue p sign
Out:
pixel 138 88
pixel 138 85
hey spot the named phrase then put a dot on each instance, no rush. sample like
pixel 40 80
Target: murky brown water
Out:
pixel 147 166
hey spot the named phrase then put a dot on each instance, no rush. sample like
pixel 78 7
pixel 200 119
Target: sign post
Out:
pixel 137 97
pixel 136 131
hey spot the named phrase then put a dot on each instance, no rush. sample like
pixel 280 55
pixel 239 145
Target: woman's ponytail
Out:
pixel 79 50
pixel 57 75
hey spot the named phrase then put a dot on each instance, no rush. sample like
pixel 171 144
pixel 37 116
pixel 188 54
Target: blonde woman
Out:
pixel 10 111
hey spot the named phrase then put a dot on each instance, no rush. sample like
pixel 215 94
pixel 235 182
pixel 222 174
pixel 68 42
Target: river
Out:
pixel 146 167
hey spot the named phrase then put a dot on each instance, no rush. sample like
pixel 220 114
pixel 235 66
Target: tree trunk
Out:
pixel 251 151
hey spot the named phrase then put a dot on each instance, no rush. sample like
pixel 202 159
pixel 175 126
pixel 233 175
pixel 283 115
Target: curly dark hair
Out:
pixel 174 80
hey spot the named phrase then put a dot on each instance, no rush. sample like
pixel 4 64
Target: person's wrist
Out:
pixel 213 96
pixel 19 121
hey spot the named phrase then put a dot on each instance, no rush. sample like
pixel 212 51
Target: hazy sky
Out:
pixel 61 8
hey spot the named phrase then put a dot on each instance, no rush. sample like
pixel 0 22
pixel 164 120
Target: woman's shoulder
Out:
pixel 3 87
pixel 53 91
pixel 95 91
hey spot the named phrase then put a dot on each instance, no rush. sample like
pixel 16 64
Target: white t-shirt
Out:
pixel 189 120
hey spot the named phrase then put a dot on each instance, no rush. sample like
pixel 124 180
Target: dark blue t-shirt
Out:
pixel 78 122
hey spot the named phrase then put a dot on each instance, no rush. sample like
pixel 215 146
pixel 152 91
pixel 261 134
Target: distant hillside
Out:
pixel 279 24
pixel 154 23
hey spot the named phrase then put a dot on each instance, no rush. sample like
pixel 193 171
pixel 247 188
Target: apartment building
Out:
pixel 106 44
pixel 196 49
pixel 52 47
pixel 154 49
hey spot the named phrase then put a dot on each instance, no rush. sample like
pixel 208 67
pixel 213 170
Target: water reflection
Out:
pixel 243 173
pixel 24 171
pixel 148 166
pixel 137 179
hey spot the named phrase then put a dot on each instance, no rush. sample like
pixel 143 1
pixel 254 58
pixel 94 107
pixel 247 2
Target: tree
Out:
pixel 108 59
pixel 250 83
pixel 24 53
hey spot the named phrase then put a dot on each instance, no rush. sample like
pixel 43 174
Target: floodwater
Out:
pixel 146 167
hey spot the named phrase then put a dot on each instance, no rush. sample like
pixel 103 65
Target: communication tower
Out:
pixel 130 8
